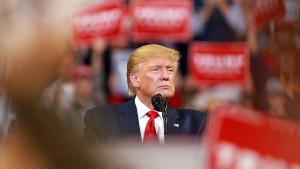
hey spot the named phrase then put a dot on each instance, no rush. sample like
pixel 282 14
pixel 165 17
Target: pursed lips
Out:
pixel 164 86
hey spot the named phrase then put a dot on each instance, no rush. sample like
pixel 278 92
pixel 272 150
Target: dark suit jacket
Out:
pixel 108 122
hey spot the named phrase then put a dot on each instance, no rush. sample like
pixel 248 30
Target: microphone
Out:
pixel 160 104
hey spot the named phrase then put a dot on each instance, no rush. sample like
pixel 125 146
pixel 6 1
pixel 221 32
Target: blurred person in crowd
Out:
pixel 60 97
pixel 119 52
pixel 274 52
pixel 220 20
pixel 61 93
pixel 151 70
pixel 83 98
pixel 217 21
pixel 206 97
pixel 107 59
pixel 257 39
pixel 71 94
pixel 83 88
pixel 284 53
pixel 93 56
pixel 33 39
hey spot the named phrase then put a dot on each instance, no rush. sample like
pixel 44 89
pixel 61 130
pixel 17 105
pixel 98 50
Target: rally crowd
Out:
pixel 96 74
pixel 46 81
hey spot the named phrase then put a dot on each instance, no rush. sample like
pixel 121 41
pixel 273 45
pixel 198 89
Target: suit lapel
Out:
pixel 130 125
pixel 129 119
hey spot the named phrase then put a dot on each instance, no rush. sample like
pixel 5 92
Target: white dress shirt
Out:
pixel 142 109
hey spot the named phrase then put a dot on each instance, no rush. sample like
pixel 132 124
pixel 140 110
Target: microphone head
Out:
pixel 159 103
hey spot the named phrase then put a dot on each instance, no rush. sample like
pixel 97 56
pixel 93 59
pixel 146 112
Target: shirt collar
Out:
pixel 142 109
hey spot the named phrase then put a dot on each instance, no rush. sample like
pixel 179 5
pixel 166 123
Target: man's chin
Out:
pixel 166 95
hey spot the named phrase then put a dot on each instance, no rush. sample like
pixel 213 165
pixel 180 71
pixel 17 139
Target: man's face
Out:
pixel 156 75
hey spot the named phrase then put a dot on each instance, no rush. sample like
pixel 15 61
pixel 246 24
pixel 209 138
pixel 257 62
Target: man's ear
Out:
pixel 134 80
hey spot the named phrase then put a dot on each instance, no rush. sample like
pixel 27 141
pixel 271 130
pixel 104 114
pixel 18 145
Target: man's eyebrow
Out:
pixel 155 66
pixel 171 66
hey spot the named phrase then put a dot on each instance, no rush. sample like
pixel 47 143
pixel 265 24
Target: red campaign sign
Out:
pixel 162 20
pixel 267 10
pixel 241 138
pixel 103 20
pixel 213 63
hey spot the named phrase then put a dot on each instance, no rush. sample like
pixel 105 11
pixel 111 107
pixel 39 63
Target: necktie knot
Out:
pixel 150 135
pixel 152 114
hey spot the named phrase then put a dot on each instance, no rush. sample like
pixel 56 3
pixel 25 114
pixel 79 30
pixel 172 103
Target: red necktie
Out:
pixel 150 135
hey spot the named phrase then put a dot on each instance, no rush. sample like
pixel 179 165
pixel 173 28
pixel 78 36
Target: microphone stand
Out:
pixel 160 104
pixel 165 118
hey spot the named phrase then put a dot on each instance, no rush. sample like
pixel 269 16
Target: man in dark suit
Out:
pixel 151 70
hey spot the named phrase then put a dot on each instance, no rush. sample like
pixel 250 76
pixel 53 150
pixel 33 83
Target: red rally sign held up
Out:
pixel 241 138
pixel 103 20
pixel 268 10
pixel 158 20
pixel 213 63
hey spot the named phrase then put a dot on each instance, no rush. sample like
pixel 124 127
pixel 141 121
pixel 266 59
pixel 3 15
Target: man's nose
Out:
pixel 164 74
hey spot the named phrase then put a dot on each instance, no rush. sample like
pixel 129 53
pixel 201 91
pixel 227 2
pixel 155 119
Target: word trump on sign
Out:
pixel 215 63
pixel 219 64
pixel 162 20
pixel 103 20
pixel 159 18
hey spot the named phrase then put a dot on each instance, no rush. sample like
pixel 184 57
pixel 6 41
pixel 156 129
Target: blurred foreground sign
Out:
pixel 215 63
pixel 102 20
pixel 161 20
pixel 267 10
pixel 241 138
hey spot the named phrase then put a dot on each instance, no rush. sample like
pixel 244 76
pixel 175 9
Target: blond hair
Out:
pixel 144 53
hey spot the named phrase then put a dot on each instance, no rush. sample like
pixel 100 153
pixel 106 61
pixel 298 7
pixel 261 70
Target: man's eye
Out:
pixel 154 69
pixel 171 70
